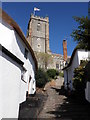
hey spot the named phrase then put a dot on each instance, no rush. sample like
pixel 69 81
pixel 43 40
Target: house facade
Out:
pixel 77 56
pixel 87 89
pixel 18 65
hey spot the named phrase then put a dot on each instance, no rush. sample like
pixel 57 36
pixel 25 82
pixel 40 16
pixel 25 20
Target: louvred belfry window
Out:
pixel 38 27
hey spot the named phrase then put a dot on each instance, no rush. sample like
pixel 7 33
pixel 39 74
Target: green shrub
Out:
pixel 57 73
pixel 87 72
pixel 79 81
pixel 41 78
pixel 61 74
pixel 51 73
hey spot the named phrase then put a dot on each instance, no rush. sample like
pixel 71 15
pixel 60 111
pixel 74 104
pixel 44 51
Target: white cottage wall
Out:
pixel 70 77
pixel 82 55
pixel 12 87
pixel 87 92
pixel 12 41
pixel 10 80
pixel 6 35
pixel 75 64
pixel 22 92
pixel 70 71
pixel 28 63
pixel 78 56
pixel 1 87
pixel 65 79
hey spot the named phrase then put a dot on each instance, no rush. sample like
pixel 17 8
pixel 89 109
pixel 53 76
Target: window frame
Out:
pixel 38 27
pixel 26 53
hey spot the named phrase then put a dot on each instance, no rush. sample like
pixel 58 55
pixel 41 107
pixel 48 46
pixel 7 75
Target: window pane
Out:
pixel 57 66
pixel 38 27
pixel 26 53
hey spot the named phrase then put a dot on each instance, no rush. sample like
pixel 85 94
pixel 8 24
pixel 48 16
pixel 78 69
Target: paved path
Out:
pixel 54 99
pixel 32 106
pixel 58 106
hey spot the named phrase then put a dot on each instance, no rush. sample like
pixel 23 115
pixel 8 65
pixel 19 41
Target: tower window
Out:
pixel 26 53
pixel 57 66
pixel 38 45
pixel 38 27
pixel 38 39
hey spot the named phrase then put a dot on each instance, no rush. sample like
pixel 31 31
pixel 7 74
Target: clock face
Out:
pixel 38 45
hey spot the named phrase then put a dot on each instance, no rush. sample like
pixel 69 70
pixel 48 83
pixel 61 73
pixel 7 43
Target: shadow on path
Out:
pixel 30 109
pixel 74 107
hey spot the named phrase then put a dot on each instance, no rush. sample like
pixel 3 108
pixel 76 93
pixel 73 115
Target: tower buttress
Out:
pixel 47 35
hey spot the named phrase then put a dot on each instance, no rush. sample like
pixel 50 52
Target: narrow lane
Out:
pixel 54 99
pixel 59 106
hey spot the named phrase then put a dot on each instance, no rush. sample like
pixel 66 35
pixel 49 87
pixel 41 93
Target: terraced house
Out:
pixel 77 57
pixel 17 67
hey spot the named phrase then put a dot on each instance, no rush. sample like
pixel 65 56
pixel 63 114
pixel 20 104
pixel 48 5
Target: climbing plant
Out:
pixel 79 81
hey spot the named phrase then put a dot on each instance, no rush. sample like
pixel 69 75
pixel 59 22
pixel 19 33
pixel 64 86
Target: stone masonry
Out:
pixel 38 37
pixel 38 33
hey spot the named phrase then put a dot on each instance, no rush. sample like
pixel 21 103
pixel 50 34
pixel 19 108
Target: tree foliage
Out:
pixel 52 73
pixel 82 33
pixel 44 59
pixel 41 78
pixel 79 81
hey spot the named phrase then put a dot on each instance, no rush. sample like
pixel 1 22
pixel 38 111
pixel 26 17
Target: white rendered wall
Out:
pixel 75 64
pixel 28 63
pixel 6 35
pixel 70 71
pixel 87 92
pixel 83 55
pixel 70 76
pixel 10 80
pixel 23 86
pixel 65 79
pixel 11 41
pixel 1 87
pixel 79 55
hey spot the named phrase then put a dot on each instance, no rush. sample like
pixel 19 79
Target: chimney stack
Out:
pixel 65 50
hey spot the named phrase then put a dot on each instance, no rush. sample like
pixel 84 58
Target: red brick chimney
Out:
pixel 65 50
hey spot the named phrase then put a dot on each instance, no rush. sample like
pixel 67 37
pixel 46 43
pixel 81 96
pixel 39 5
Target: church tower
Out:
pixel 38 33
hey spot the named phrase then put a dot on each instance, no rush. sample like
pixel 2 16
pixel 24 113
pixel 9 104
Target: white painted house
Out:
pixel 77 56
pixel 17 67
pixel 87 89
